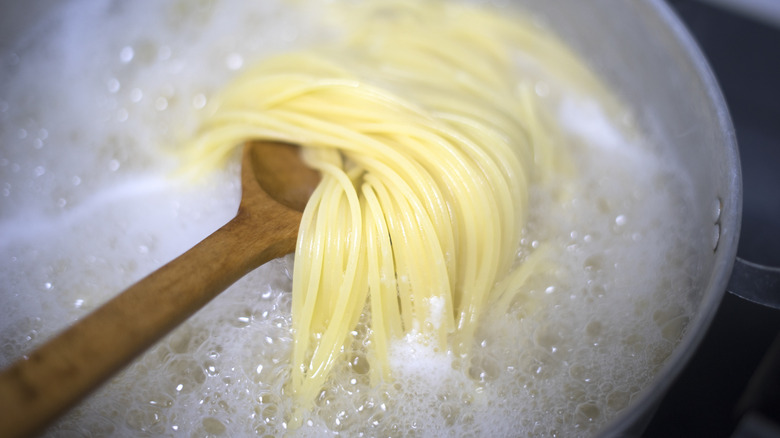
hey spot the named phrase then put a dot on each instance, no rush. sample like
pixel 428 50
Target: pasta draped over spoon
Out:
pixel 427 142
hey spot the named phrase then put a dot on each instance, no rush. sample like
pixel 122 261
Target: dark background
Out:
pixel 732 386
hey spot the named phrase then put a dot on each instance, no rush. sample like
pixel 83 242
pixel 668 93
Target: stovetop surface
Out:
pixel 731 388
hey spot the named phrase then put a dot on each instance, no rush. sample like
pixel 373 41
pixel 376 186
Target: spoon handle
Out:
pixel 40 387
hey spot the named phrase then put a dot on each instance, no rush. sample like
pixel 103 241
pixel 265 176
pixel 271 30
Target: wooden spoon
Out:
pixel 276 185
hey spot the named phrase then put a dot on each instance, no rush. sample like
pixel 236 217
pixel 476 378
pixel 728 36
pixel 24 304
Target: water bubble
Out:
pixel 39 171
pixel 621 220
pixel 269 414
pixel 243 319
pixel 580 372
pixel 234 61
pixel 213 426
pixel 665 314
pixel 542 89
pixel 145 418
pixel 594 328
pixel 136 95
pixel 673 329
pixel 122 115
pixel 199 101
pixel 594 263
pixel 617 400
pixel 126 54
pixel 359 364
pixel 211 368
pixel 113 165
pixel 113 85
pixel 161 103
pixel 588 412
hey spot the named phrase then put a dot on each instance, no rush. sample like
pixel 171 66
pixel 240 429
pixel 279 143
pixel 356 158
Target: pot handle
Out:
pixel 757 283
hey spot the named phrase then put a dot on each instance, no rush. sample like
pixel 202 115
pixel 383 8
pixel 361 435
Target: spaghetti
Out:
pixel 427 146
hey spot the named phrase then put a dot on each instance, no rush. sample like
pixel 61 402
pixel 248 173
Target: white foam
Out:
pixel 586 118
pixel 437 308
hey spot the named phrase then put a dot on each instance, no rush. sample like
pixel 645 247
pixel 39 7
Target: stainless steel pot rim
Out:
pixel 635 417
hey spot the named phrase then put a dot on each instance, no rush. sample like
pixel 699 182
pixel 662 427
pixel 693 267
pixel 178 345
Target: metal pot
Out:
pixel 649 59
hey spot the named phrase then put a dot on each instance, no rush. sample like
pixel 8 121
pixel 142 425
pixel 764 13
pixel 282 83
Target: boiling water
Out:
pixel 90 118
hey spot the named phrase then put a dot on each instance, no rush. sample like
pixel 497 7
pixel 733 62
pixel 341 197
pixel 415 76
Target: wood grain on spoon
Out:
pixel 276 185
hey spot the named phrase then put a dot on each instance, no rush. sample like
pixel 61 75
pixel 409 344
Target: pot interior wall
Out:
pixel 649 59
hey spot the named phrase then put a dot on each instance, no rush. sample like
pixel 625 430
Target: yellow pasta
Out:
pixel 427 143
